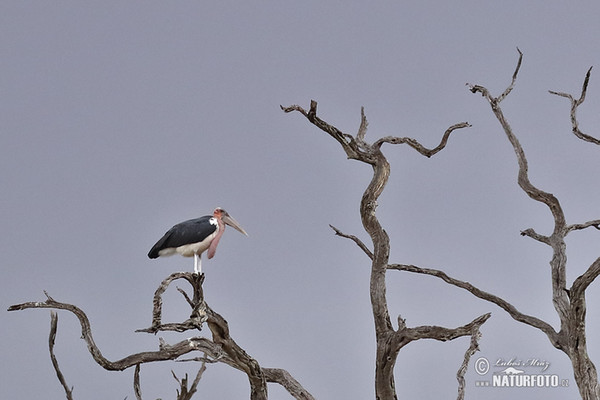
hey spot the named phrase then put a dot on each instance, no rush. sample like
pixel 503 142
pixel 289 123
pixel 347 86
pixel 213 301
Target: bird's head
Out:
pixel 223 215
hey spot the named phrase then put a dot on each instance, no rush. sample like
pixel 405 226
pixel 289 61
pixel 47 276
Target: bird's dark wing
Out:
pixel 191 231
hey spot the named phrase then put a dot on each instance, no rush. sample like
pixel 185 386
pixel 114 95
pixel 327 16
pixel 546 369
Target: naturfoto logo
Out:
pixel 515 372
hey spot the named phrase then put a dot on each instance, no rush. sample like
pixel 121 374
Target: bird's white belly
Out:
pixel 188 250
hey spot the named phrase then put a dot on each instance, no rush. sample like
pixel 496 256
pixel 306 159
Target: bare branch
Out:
pixel 556 240
pixel 198 316
pixel 362 129
pixel 186 393
pixel 575 227
pixel 356 240
pixel 536 236
pixel 347 141
pixel 186 297
pixel 283 378
pixel 136 383
pixel 418 146
pixel 494 101
pixel 514 78
pixel 460 374
pixel 575 103
pixel 506 306
pixel 441 333
pixel 205 359
pixel 196 381
pixel 51 341
pixel 584 280
pixel 220 336
pixel 166 352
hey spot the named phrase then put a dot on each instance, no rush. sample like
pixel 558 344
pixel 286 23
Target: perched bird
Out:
pixel 193 237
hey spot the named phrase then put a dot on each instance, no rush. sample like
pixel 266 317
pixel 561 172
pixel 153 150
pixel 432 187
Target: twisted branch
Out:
pixel 418 146
pixel 576 103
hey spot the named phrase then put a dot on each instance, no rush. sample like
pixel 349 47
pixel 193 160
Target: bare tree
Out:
pixel 568 303
pixel 389 340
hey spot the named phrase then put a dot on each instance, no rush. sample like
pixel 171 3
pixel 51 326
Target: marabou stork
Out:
pixel 193 237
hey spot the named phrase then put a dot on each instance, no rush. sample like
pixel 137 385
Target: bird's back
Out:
pixel 187 232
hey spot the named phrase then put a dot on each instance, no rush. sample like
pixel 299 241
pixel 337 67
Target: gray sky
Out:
pixel 120 119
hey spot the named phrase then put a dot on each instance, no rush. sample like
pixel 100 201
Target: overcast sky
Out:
pixel 120 119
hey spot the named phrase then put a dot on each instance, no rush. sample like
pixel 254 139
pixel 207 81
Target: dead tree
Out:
pixel 220 348
pixel 569 302
pixel 390 340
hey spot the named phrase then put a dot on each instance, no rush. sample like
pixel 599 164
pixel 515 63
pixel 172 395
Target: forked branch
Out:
pixel 575 103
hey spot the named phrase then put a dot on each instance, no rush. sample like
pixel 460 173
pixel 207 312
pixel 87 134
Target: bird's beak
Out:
pixel 233 223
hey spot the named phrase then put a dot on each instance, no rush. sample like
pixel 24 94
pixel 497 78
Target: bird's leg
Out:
pixel 197 264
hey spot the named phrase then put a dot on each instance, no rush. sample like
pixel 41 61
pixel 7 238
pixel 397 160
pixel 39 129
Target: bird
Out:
pixel 193 237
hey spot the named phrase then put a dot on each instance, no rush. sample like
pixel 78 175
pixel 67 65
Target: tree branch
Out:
pixel 285 379
pixel 576 103
pixel 137 390
pixel 514 78
pixel 418 146
pixel 575 227
pixel 505 305
pixel 441 333
pixel 348 143
pixel 473 347
pixel 584 280
pixel 198 316
pixel 536 236
pixel 356 240
pixel 186 393
pixel 556 240
pixel 51 341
